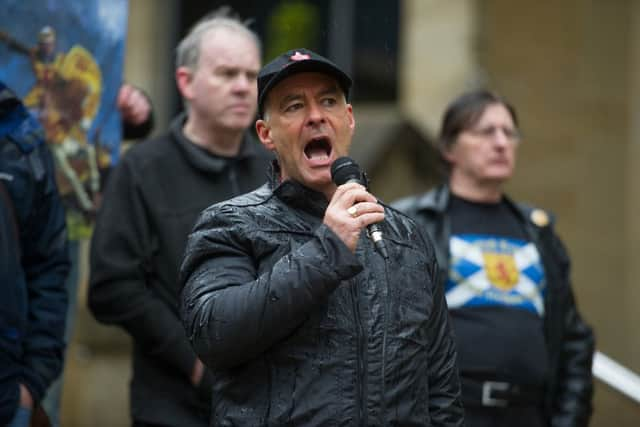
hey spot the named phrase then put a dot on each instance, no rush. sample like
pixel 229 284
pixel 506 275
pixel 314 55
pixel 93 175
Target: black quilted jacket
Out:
pixel 299 331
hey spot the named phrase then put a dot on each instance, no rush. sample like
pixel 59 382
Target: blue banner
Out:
pixel 64 58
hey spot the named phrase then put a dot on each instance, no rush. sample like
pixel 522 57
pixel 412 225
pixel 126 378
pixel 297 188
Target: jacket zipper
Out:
pixel 387 310
pixel 361 374
pixel 233 177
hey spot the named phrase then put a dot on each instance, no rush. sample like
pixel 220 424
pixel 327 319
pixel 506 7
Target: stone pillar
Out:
pixel 97 374
pixel 149 60
pixel 438 57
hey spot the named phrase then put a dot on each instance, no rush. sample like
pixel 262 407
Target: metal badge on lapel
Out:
pixel 539 217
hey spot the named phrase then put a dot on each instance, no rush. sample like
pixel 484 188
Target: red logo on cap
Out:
pixel 300 56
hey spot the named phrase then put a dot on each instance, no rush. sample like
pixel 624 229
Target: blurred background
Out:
pixel 571 68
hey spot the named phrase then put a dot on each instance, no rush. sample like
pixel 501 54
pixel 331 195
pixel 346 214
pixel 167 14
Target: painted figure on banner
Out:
pixel 68 76
pixel 65 97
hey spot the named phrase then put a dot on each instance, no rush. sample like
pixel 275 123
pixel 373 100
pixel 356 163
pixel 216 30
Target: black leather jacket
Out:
pixel 570 342
pixel 299 331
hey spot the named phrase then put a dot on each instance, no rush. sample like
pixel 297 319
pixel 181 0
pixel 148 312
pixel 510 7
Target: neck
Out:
pixel 329 192
pixel 221 142
pixel 483 192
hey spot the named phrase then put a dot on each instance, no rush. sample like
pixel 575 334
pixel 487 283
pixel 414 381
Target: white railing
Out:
pixel 617 376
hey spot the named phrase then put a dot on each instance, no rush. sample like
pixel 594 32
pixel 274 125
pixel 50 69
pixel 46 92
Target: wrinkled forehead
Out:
pixel 303 84
pixel 474 115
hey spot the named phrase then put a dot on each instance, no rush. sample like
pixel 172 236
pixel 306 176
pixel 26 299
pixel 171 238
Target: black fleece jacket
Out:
pixel 150 205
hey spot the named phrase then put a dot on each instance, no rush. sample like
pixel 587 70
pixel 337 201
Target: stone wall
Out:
pixel 571 69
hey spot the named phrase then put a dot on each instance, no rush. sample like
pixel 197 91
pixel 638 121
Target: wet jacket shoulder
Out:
pixel 284 313
pixel 33 253
pixel 570 341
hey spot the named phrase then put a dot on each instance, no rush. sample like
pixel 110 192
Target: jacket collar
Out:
pixel 295 194
pixel 202 159
pixel 437 200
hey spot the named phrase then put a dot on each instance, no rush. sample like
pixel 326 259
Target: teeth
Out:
pixel 316 153
pixel 318 148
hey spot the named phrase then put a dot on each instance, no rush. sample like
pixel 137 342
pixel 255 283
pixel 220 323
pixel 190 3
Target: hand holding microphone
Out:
pixel 353 208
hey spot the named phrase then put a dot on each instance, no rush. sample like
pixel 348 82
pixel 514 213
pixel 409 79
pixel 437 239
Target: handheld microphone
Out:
pixel 344 170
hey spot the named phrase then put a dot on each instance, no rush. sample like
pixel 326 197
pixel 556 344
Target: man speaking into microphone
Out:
pixel 301 319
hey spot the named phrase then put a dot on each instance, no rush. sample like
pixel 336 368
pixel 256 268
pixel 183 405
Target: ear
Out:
pixel 264 134
pixel 447 153
pixel 351 118
pixel 183 81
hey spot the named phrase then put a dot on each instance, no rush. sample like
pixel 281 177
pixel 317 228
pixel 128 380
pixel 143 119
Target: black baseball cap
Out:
pixel 297 61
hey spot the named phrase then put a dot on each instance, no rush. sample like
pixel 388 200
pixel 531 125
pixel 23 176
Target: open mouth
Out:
pixel 318 149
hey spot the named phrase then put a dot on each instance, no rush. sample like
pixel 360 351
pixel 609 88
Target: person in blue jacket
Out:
pixel 33 265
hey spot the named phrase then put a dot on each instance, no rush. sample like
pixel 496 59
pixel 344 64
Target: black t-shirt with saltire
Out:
pixel 495 292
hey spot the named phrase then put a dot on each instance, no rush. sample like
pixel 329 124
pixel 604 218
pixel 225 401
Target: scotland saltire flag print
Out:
pixel 495 271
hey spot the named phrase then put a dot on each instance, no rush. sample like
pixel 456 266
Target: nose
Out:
pixel 501 138
pixel 315 114
pixel 243 83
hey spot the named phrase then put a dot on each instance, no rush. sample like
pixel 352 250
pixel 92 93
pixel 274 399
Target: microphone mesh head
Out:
pixel 344 169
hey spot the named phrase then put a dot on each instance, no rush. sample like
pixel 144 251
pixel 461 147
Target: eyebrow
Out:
pixel 289 98
pixel 235 68
pixel 329 90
